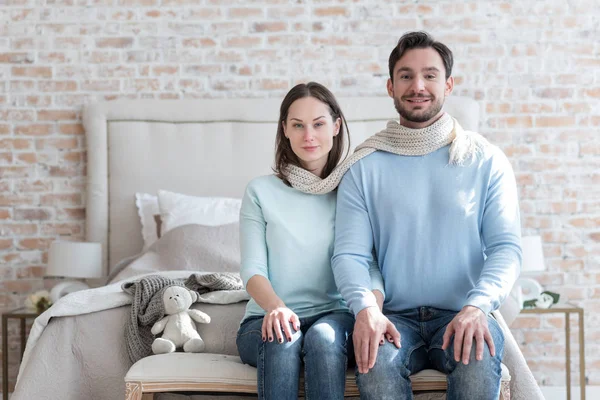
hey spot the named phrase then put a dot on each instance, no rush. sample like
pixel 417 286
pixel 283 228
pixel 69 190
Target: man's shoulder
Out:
pixel 493 152
pixel 370 160
pixel 486 148
pixel 490 156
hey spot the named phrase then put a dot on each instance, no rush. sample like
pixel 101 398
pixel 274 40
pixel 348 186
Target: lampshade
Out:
pixel 533 254
pixel 75 259
pixel 533 261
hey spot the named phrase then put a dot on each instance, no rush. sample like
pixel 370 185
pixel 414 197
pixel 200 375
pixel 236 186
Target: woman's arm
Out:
pixel 262 292
pixel 278 317
pixel 255 271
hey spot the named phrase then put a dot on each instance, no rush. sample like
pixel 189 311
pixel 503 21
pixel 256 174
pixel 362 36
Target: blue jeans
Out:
pixel 421 337
pixel 323 344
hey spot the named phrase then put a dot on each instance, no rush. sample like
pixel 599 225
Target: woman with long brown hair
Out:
pixel 296 316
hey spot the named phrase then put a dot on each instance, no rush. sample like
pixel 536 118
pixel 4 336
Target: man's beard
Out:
pixel 415 116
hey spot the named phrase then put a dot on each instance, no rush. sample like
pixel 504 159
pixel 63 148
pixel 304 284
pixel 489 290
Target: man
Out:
pixel 441 212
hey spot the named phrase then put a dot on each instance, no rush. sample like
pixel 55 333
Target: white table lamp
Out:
pixel 73 260
pixel 533 261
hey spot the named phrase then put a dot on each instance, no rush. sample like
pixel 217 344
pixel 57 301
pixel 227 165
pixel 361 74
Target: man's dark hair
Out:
pixel 420 40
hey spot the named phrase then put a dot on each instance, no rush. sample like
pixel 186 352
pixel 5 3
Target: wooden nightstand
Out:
pixel 568 309
pixel 22 315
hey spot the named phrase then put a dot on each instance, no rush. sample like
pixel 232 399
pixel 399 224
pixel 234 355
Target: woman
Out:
pixel 296 315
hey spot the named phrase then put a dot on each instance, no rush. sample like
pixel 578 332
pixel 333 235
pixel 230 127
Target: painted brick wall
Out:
pixel 533 65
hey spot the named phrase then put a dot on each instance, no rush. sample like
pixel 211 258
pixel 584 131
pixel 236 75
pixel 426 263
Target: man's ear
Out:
pixel 390 88
pixel 449 86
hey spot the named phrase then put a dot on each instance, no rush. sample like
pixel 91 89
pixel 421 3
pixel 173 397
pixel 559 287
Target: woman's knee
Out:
pixel 325 338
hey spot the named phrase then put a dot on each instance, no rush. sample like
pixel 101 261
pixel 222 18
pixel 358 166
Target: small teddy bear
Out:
pixel 178 325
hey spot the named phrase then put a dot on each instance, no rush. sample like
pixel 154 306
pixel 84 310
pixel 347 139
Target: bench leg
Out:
pixel 505 391
pixel 133 391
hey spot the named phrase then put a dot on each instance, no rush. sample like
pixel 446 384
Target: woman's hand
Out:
pixel 276 324
pixel 277 316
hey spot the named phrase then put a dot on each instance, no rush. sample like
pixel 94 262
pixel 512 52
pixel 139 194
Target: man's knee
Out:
pixel 474 365
pixel 478 380
pixel 388 379
pixel 497 337
pixel 391 362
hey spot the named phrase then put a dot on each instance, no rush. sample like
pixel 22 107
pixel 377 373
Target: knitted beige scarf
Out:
pixel 400 140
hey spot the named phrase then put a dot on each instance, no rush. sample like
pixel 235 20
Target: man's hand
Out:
pixel 469 323
pixel 380 300
pixel 370 325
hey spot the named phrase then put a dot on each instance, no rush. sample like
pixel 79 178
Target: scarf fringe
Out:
pixel 466 146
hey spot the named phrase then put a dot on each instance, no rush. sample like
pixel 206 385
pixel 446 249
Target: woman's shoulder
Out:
pixel 264 184
pixel 264 181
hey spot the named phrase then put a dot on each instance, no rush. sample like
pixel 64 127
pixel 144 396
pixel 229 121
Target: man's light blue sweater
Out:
pixel 287 237
pixel 445 236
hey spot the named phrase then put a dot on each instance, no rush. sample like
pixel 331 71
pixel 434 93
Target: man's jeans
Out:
pixel 421 337
pixel 323 344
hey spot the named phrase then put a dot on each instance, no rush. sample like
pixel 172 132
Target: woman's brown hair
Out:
pixel 284 155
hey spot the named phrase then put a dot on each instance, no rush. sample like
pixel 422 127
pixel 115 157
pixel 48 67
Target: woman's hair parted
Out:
pixel 284 155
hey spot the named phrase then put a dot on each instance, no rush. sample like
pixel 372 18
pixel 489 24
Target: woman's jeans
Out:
pixel 323 344
pixel 421 337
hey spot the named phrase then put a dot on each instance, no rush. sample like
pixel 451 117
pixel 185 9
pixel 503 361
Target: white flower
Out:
pixel 34 299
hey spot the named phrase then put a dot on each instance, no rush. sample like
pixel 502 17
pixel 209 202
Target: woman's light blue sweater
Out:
pixel 287 237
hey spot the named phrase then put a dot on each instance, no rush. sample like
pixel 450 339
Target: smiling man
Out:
pixel 441 214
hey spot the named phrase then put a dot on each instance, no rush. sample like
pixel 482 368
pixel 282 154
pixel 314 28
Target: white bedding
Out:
pixel 72 362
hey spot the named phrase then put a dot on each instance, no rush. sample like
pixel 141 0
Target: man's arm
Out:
pixel 501 236
pixel 352 254
pixel 377 286
pixel 351 267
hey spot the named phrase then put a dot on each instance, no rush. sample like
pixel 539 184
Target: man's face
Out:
pixel 420 87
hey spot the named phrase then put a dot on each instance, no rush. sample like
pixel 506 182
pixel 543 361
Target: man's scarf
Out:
pixel 400 140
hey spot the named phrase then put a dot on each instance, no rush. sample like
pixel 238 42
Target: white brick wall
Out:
pixel 533 65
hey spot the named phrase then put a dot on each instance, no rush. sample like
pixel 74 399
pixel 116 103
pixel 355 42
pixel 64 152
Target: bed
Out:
pixel 203 148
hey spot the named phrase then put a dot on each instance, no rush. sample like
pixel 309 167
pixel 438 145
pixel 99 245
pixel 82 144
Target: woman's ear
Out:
pixel 283 126
pixel 337 126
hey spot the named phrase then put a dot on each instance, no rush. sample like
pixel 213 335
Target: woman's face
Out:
pixel 310 130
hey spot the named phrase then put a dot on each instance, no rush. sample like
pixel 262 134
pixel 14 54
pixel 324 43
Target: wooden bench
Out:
pixel 217 373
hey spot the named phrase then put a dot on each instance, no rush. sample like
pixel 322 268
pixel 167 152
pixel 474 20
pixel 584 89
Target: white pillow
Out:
pixel 179 209
pixel 147 206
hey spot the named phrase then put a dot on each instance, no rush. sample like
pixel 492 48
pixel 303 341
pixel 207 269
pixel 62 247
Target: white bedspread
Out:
pixel 77 303
pixel 82 303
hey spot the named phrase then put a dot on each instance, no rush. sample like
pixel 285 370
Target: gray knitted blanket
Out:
pixel 147 306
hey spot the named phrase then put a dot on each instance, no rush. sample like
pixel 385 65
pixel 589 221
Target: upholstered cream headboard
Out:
pixel 197 147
